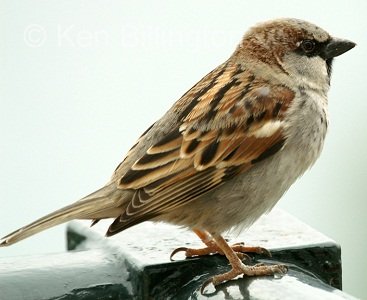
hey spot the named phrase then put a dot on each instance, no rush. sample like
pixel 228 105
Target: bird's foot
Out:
pixel 239 248
pixel 241 269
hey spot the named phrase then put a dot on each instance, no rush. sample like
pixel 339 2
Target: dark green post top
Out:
pixel 135 265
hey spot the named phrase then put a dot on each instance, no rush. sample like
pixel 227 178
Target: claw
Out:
pixel 205 284
pixel 265 252
pixel 243 256
pixel 282 269
pixel 174 252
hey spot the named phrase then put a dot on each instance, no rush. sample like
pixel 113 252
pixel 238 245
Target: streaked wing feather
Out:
pixel 230 122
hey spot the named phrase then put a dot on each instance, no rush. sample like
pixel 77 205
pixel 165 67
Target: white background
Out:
pixel 81 80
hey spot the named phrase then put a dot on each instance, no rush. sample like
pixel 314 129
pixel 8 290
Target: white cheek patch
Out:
pixel 267 129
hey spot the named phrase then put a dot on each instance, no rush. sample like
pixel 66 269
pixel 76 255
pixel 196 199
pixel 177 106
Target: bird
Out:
pixel 227 150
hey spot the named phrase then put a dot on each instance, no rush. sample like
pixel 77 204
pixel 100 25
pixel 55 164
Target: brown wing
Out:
pixel 229 124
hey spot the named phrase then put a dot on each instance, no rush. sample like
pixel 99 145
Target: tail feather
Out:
pixel 100 204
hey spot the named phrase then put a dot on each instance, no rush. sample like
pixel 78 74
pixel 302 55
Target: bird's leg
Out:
pixel 212 247
pixel 238 268
pixel 206 238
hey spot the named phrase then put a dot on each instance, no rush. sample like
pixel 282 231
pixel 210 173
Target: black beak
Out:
pixel 336 47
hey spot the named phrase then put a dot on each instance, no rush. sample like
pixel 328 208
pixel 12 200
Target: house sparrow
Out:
pixel 228 149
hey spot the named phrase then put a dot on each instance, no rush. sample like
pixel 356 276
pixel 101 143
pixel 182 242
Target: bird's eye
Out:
pixel 308 46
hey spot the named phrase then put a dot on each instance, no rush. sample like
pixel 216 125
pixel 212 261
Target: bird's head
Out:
pixel 293 47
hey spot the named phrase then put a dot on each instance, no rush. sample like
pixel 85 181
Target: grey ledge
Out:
pixel 135 265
